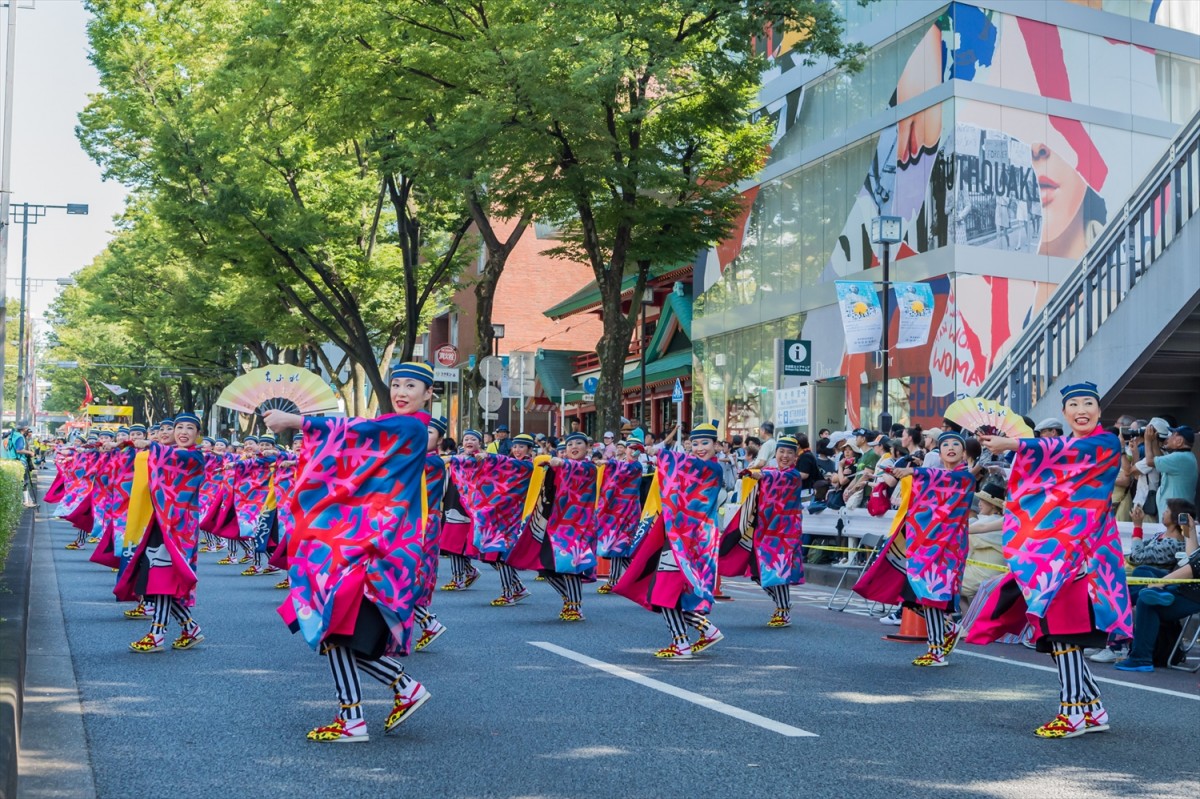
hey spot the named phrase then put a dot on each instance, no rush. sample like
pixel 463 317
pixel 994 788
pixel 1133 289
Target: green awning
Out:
pixel 589 296
pixel 668 367
pixel 555 369
pixel 676 316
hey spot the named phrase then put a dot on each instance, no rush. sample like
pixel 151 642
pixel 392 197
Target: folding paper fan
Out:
pixel 987 418
pixel 283 387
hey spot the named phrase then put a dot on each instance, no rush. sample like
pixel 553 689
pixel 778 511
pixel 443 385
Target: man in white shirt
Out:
pixel 766 453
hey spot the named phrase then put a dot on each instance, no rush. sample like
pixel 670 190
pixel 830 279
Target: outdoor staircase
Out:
pixel 1128 319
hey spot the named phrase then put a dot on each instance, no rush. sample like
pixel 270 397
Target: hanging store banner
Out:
pixel 862 318
pixel 914 304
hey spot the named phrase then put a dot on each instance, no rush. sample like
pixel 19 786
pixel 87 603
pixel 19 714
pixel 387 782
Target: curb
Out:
pixel 14 611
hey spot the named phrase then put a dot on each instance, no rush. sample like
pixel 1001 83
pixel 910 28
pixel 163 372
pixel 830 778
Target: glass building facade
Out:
pixel 1005 134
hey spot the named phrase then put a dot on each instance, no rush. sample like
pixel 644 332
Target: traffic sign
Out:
pixel 488 416
pixel 590 385
pixel 797 358
pixel 447 355
pixel 490 398
pixel 445 374
pixel 677 394
pixel 491 369
pixel 587 398
pixel 791 406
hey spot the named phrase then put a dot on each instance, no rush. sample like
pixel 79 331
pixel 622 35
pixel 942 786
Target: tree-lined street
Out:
pixel 516 714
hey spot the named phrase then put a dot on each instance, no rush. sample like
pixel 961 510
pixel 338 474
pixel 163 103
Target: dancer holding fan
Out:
pixel 356 576
pixel 1060 540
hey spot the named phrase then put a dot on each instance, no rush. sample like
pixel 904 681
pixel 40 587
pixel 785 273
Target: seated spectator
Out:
pixel 985 541
pixel 1049 428
pixel 1166 603
pixel 929 443
pixel 1154 556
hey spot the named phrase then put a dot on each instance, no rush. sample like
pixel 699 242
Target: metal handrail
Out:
pixel 1155 213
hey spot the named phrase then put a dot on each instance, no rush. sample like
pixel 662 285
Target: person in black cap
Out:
pixel 1175 462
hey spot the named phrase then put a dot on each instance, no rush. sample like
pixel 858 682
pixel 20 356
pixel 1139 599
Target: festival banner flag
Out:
pixel 862 318
pixel 914 302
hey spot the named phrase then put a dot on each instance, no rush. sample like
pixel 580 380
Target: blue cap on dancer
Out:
pixel 441 425
pixel 208 440
pixel 413 370
pixel 108 433
pixel 122 429
pixel 951 435
pixel 250 440
pixel 708 430
pixel 137 428
pixel 786 442
pixel 575 437
pixel 267 438
pixel 1083 389
pixel 224 441
pixel 526 439
pixel 478 435
pixel 188 418
pixel 168 422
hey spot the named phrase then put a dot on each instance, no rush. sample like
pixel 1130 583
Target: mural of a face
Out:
pixel 1062 191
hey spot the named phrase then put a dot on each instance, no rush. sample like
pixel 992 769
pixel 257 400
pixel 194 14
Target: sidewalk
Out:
pixel 55 760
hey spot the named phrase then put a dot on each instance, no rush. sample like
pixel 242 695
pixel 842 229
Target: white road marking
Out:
pixel 1108 680
pixel 687 696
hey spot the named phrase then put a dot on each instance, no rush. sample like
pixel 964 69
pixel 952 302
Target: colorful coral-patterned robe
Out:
pixel 675 563
pixel 1061 543
pixel 763 539
pixel 435 486
pixel 494 490
pixel 161 563
pixel 924 559
pixel 559 536
pixel 618 508
pixel 359 528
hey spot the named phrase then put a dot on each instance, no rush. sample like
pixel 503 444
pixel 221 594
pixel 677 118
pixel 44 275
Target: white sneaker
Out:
pixel 846 564
pixel 1106 656
pixel 892 619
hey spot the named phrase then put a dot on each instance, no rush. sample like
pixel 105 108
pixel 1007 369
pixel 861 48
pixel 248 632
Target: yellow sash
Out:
pixel 653 505
pixel 535 484
pixel 141 506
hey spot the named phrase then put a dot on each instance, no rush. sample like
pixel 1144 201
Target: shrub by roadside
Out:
pixel 12 505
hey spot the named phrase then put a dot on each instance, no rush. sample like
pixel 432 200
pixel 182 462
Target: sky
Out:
pixel 53 78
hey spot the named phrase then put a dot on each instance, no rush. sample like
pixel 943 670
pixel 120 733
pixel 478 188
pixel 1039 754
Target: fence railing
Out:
pixel 1128 247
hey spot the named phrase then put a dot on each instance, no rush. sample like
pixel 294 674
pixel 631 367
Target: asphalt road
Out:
pixel 822 709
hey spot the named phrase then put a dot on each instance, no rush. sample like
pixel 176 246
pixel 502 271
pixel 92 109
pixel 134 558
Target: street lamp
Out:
pixel 28 214
pixel 647 300
pixel 886 230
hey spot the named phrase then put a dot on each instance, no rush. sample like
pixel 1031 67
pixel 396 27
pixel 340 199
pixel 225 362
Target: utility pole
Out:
pixel 6 184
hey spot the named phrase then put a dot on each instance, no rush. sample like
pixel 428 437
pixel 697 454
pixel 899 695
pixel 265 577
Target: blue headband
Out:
pixel 167 423
pixel 137 428
pixel 108 433
pixel 224 441
pixel 950 435
pixel 1084 389
pixel 708 430
pixel 478 435
pixel 267 439
pixel 413 370
pixel 184 418
pixel 250 439
pixel 122 429
pixel 440 424
pixel 209 439
pixel 787 442
pixel 575 437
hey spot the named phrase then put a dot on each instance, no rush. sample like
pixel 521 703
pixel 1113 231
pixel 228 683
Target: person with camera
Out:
pixel 1171 455
pixel 1165 603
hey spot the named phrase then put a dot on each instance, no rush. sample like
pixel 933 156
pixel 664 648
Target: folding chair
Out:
pixel 873 542
pixel 1186 643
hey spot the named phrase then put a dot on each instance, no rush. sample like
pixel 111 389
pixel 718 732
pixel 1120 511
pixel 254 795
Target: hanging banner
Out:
pixel 914 304
pixel 862 318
